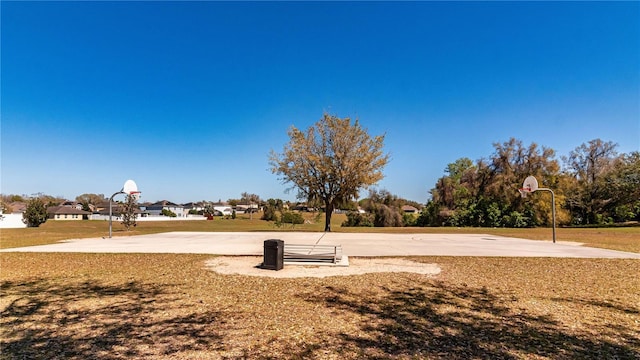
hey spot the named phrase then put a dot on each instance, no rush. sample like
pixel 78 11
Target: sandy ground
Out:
pixel 250 265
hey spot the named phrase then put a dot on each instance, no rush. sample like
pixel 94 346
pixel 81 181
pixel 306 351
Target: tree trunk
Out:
pixel 327 216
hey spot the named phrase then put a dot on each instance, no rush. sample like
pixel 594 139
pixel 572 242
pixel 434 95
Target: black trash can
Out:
pixel 273 254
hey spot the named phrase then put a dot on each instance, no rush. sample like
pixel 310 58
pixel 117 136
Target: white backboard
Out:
pixel 130 187
pixel 530 184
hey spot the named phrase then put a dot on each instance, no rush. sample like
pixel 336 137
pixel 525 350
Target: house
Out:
pixel 197 206
pixel 157 208
pixel 408 209
pixel 73 204
pixel 223 210
pixel 18 207
pixel 247 208
pixel 62 212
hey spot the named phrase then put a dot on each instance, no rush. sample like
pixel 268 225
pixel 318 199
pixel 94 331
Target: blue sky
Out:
pixel 188 98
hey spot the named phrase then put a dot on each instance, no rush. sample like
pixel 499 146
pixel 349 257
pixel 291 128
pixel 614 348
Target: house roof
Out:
pixel 69 203
pixel 166 203
pixel 18 206
pixel 66 210
pixel 409 208
pixel 116 209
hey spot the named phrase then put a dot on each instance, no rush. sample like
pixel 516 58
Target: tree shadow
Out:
pixel 608 304
pixel 443 321
pixel 43 320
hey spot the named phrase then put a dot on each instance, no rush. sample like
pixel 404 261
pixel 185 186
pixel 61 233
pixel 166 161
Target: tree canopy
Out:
pixel 596 186
pixel 330 162
pixel 35 213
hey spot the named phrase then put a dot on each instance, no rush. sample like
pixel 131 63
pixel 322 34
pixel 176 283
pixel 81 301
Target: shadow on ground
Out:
pixel 100 321
pixel 440 321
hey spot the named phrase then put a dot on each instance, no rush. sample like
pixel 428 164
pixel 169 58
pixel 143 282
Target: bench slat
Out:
pixel 310 253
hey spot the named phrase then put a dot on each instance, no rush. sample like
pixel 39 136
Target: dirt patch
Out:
pixel 250 265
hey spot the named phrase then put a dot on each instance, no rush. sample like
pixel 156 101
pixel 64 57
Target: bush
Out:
pixel 35 213
pixel 357 219
pixel 386 216
pixel 291 218
pixel 269 213
pixel 515 220
pixel 409 220
pixel 169 213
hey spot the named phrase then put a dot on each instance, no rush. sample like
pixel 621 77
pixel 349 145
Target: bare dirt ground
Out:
pixel 250 266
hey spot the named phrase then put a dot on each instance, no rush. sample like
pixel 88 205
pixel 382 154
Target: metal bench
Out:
pixel 312 253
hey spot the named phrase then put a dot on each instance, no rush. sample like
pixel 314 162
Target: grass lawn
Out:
pixel 165 306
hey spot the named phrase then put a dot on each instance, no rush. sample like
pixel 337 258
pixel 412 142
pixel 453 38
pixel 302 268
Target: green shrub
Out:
pixel 409 220
pixel 167 212
pixel 355 219
pixel 293 218
pixel 269 213
pixel 35 213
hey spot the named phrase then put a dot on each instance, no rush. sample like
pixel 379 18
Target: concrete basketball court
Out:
pixel 353 245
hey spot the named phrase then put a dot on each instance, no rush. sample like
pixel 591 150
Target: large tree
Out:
pixel 589 164
pixel 485 193
pixel 330 162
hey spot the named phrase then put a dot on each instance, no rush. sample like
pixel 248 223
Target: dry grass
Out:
pixel 117 306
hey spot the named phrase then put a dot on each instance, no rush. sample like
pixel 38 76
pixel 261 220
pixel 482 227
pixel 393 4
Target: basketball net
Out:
pixel 135 195
pixel 524 192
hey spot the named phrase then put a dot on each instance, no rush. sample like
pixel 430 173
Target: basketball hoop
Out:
pixel 531 185
pixel 524 192
pixel 135 195
pixel 130 189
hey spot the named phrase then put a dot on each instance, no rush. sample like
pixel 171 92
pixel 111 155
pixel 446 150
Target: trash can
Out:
pixel 273 254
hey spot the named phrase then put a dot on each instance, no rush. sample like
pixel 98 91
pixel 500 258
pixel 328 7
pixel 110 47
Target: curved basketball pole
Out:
pixel 527 190
pixel 553 210
pixel 110 211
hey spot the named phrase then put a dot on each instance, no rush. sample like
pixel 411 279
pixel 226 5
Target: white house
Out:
pixel 156 209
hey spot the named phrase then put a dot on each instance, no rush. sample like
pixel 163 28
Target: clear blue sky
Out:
pixel 188 98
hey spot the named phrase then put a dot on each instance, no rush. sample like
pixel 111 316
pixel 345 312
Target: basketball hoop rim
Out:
pixel 135 194
pixel 524 191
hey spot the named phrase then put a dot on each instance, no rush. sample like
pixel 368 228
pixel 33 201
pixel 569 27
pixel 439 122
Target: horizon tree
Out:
pixel 330 162
pixel 35 213
pixel 589 165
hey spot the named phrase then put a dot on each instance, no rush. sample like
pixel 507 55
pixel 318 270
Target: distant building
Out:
pixel 156 208
pixel 408 209
pixel 63 212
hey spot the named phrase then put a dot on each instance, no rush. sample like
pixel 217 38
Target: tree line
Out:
pixel 594 185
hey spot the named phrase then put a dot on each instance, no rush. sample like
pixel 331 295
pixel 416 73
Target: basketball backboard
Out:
pixel 130 187
pixel 530 184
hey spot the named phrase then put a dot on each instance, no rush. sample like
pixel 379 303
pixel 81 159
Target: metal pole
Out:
pixel 553 211
pixel 110 212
